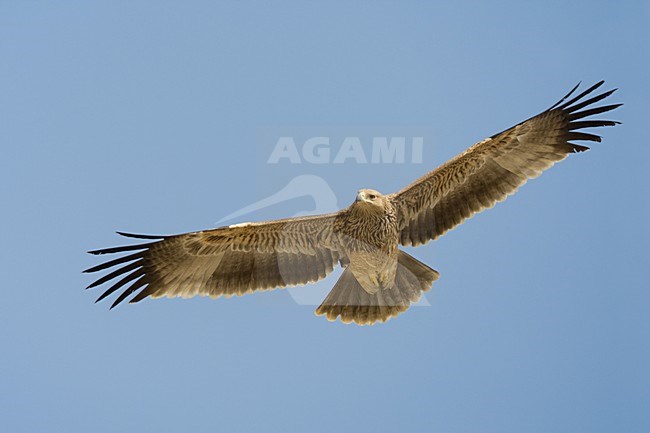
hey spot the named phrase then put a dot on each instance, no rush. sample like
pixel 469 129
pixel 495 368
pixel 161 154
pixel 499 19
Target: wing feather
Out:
pixel 226 261
pixel 496 167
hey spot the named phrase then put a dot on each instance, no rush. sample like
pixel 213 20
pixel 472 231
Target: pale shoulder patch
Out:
pixel 234 226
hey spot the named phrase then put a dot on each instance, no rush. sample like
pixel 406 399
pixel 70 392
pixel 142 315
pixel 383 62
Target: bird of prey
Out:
pixel 379 280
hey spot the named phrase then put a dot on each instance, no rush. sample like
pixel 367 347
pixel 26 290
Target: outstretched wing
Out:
pixel 496 167
pixel 226 261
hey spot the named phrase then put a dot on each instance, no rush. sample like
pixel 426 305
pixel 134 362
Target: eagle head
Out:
pixel 370 197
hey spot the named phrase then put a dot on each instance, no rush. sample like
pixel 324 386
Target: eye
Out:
pixel 372 196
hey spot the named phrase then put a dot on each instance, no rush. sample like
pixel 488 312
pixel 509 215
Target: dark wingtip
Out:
pixel 567 95
pixel 122 249
pixel 102 296
pixel 592 111
pixel 584 93
pixel 115 262
pixel 139 236
pixel 574 89
pixel 137 285
pixel 96 268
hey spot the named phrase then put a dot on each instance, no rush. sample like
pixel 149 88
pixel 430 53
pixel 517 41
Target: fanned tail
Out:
pixel 350 301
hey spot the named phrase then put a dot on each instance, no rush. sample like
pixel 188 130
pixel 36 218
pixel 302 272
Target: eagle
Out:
pixel 379 281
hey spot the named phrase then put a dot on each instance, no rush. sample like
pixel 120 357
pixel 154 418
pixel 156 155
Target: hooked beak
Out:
pixel 361 196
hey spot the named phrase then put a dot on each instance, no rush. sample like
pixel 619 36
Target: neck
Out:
pixel 366 210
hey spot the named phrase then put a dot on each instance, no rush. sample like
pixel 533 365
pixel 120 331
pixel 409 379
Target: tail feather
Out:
pixel 353 304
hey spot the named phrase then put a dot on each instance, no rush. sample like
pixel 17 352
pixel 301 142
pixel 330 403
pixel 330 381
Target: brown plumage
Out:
pixel 379 280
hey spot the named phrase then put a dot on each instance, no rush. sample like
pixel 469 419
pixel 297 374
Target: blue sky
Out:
pixel 154 117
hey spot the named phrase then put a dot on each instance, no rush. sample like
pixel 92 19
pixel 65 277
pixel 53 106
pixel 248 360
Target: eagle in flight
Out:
pixel 379 280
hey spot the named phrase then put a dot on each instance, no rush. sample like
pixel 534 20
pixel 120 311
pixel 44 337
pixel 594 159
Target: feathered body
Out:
pixel 368 233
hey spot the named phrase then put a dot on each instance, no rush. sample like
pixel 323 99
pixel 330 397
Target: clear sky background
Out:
pixel 147 116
